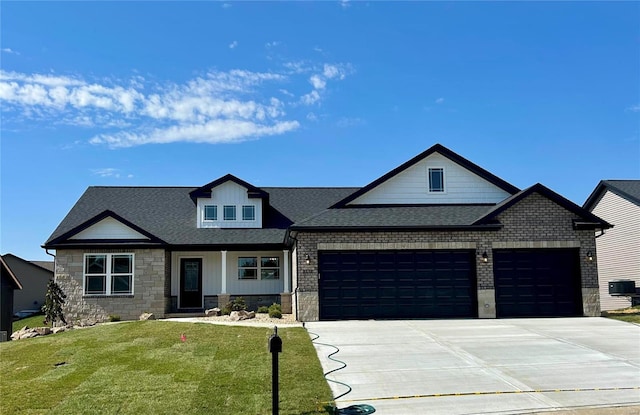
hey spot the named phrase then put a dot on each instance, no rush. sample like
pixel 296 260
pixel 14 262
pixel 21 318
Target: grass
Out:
pixel 33 321
pixel 145 368
pixel 630 315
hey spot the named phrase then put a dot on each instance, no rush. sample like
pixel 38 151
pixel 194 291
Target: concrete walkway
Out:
pixel 484 366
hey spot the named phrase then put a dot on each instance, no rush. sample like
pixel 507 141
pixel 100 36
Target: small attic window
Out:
pixel 211 212
pixel 436 180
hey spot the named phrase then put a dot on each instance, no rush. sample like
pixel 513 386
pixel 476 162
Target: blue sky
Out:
pixel 307 94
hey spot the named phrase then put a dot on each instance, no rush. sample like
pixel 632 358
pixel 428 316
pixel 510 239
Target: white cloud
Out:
pixel 233 44
pixel 213 107
pixel 226 5
pixel 344 4
pixel 273 44
pixel 634 108
pixel 312 117
pixel 346 122
pixel 439 100
pixel 10 51
pixel 107 172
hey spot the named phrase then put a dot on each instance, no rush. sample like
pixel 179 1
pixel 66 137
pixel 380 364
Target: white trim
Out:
pixel 223 282
pixel 444 180
pixel 108 274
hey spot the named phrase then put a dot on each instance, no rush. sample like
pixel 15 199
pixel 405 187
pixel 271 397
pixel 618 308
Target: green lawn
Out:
pixel 145 368
pixel 33 321
pixel 630 315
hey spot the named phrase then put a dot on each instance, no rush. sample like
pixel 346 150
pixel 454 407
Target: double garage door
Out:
pixel 397 284
pixel 442 283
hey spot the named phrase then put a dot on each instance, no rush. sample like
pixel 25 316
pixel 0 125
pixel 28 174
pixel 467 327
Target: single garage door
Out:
pixel 397 284
pixel 537 283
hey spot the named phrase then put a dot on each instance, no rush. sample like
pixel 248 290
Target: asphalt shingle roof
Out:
pixel 397 217
pixel 170 214
pixel 628 189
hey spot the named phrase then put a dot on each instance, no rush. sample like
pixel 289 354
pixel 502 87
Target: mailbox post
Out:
pixel 275 347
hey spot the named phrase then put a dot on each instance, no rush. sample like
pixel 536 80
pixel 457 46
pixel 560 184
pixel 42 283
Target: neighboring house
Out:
pixel 34 276
pixel 8 284
pixel 436 237
pixel 618 202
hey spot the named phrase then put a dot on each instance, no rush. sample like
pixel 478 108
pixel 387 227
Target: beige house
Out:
pixel 617 202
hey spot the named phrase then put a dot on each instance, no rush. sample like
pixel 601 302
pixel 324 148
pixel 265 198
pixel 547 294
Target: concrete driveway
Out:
pixel 483 366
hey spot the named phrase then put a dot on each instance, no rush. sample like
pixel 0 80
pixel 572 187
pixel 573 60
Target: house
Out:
pixel 8 284
pixel 618 202
pixel 437 237
pixel 34 276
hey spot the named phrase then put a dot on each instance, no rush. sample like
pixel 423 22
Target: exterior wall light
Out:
pixel 589 256
pixel 307 259
pixel 485 257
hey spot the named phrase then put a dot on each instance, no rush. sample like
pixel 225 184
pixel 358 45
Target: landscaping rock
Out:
pixel 212 312
pixel 147 316
pixel 42 331
pixel 241 315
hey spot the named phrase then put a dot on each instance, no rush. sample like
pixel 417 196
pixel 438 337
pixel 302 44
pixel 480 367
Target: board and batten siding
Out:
pixel 618 250
pixel 230 193
pixel 212 273
pixel 109 228
pixel 411 186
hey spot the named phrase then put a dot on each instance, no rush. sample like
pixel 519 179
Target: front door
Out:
pixel 191 283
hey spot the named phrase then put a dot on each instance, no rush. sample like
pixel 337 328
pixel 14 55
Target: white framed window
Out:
pixel 211 212
pixel 264 268
pixel 248 212
pixel 108 274
pixel 229 212
pixel 436 180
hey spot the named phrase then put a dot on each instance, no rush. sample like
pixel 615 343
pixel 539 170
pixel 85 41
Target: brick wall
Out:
pixel 150 275
pixel 534 222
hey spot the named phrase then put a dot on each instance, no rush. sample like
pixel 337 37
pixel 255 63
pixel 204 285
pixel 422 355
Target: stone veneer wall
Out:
pixel 150 275
pixel 534 222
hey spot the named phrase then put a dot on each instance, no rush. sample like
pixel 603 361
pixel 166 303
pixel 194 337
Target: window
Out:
pixel 229 212
pixel 268 268
pixel 248 212
pixel 108 274
pixel 247 268
pixel 211 212
pixel 436 179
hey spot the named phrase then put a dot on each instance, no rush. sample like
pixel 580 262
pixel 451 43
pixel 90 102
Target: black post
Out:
pixel 275 347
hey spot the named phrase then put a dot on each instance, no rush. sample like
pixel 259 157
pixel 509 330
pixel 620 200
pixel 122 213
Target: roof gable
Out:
pixel 589 220
pixel 205 191
pixel 438 156
pixel 6 271
pixel 13 260
pixel 106 226
pixel 628 189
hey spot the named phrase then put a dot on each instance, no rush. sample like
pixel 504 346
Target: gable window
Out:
pixel 229 212
pixel 211 212
pixel 264 268
pixel 248 212
pixel 436 179
pixel 108 274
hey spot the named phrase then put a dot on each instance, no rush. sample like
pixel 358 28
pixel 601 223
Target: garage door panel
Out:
pixel 398 284
pixel 537 283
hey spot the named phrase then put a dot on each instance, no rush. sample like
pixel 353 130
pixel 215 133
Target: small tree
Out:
pixel 53 301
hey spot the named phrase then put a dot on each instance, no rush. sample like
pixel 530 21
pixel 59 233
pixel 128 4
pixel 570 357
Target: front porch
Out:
pixel 202 280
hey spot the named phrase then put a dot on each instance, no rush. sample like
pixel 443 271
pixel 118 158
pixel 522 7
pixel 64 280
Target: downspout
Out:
pixel 46 250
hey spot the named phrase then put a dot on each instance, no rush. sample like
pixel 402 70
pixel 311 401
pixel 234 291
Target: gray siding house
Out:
pixel 618 202
pixel 34 276
pixel 8 284
pixel 437 237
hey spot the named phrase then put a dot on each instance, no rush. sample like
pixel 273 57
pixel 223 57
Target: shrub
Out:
pixel 114 317
pixel 53 301
pixel 275 311
pixel 235 305
pixel 263 309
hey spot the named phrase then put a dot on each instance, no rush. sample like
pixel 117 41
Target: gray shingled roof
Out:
pixel 397 217
pixel 169 213
pixel 628 189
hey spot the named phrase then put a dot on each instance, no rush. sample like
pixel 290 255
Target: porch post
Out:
pixel 285 271
pixel 223 287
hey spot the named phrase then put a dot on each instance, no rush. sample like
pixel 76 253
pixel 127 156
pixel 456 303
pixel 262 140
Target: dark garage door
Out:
pixel 537 283
pixel 397 284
